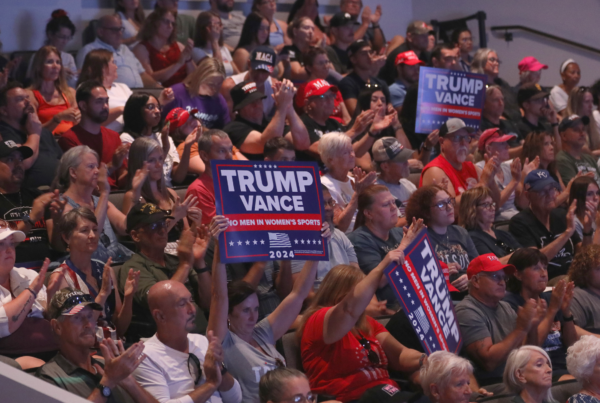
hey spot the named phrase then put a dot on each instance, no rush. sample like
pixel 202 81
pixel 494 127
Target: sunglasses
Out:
pixel 372 355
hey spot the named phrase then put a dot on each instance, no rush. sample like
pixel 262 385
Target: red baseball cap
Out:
pixel 488 263
pixel 446 271
pixel 493 135
pixel 178 117
pixel 318 87
pixel 530 63
pixel 409 58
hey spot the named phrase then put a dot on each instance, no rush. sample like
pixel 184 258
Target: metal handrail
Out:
pixel 508 36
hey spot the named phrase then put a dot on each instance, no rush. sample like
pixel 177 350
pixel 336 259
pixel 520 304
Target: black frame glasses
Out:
pixel 372 355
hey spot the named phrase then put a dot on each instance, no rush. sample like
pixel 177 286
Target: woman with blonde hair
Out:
pixel 446 378
pixel 201 92
pixel 581 103
pixel 49 93
pixel 528 374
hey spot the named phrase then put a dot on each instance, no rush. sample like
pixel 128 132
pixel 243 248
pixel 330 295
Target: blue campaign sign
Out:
pixel 421 288
pixel 274 209
pixel 445 94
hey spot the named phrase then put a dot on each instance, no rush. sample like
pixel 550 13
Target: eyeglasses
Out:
pixel 152 107
pixel 488 205
pixel 310 397
pixel 194 367
pixel 157 226
pixel 497 277
pixel 330 203
pixel 591 193
pixel 459 139
pixel 372 355
pixel 548 192
pixel 63 37
pixel 445 204
pixel 115 30
pixel 494 60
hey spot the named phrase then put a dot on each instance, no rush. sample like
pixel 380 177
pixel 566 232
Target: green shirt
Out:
pixel 568 166
pixel 186 25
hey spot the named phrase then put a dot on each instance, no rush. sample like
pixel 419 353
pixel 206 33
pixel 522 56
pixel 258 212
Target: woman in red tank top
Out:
pixel 166 60
pixel 49 93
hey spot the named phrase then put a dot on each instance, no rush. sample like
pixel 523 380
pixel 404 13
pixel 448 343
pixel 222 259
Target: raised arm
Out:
pixel 219 303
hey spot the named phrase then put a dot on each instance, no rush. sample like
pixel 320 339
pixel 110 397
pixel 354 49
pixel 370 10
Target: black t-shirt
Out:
pixel 388 71
pixel 530 232
pixel 524 127
pixel 294 52
pixel 43 170
pixel 339 58
pixel 315 132
pixel 239 129
pixel 399 326
pixel 352 85
pixel 506 126
pixel 503 245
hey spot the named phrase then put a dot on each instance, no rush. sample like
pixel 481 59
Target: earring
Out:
pixel 68 249
pixel 228 324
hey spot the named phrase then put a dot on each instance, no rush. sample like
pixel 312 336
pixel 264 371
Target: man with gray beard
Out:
pixel 452 170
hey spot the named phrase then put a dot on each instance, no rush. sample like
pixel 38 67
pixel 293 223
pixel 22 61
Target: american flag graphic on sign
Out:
pixel 422 318
pixel 279 240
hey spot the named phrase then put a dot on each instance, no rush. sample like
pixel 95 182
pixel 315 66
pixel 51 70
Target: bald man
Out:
pixel 110 37
pixel 176 356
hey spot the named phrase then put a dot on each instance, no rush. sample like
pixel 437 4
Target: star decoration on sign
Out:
pixel 319 242
pixel 262 242
pixel 296 241
pixel 430 338
pixel 302 240
pixel 397 273
pixel 255 242
pixel 254 165
pixel 314 242
pixel 401 281
pixel 404 288
pixel 239 242
pixel 412 302
pixel 231 243
pixel 247 242
pixel 408 294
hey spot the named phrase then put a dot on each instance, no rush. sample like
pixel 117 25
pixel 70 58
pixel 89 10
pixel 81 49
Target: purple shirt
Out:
pixel 212 111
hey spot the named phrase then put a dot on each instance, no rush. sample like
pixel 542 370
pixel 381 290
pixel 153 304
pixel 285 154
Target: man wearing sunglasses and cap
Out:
pixel 183 366
pixel 147 226
pixel 71 314
pixel 572 159
pixel 490 327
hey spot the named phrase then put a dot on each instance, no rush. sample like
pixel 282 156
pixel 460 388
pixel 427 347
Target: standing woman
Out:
pixel 132 17
pixel 49 93
pixel 255 32
pixel 463 40
pixel 581 103
pixel 208 42
pixel 166 60
pixel 559 95
pixel 302 33
pixel 278 28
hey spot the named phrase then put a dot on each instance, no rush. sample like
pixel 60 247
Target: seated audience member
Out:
pixel 528 374
pixel 451 243
pixel 368 28
pixel 213 144
pixel 463 40
pixel 208 42
pixel 59 31
pixel 586 192
pixel 582 359
pixel 285 385
pixel 78 176
pixel 147 225
pixel 341 33
pixel 185 130
pixel 317 65
pixel 570 75
pixel 279 149
pixel 278 37
pixel 99 65
pixel 200 91
pixel 543 226
pixel 362 75
pixel 530 71
pixel 445 56
pixel 417 40
pixel 23 207
pixel 581 103
pixel 183 22
pixel 585 305
pixel 109 36
pixel 529 281
pixel 165 59
pixel 251 130
pixel 491 117
pixel 308 9
pixel 260 66
pixel 255 33
pixel 391 163
pixel 132 17
pixel 335 323
pixel 571 160
pixel 538 116
pixel 490 327
pixel 407 74
pixel 375 233
pixel 477 215
pixel 446 377
pixel 92 100
pixel 49 93
pixel 486 61
pixel 19 123
pixel 71 314
pixel 232 21
pixel 452 164
pixel 595 90
pixel 493 142
pixel 249 345
pixel 181 365
pixel 79 229
pixel 302 33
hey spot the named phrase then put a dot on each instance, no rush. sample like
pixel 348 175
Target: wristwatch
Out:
pixel 104 390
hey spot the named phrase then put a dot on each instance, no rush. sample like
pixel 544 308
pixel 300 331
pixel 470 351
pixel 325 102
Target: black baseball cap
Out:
pixel 144 214
pixel 340 19
pixel 244 94
pixel 70 302
pixel 530 93
pixel 8 146
pixel 572 121
pixel 356 47
pixel 263 58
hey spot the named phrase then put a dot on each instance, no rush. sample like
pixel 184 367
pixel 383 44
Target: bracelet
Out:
pixel 588 233
pixel 569 319
pixel 200 271
pixel 372 135
pixel 375 26
pixel 32 292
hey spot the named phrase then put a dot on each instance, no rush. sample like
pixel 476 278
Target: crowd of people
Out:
pixel 129 301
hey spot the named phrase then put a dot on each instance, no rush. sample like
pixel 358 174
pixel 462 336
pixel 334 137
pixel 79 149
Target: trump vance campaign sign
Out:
pixel 274 208
pixel 421 288
pixel 445 94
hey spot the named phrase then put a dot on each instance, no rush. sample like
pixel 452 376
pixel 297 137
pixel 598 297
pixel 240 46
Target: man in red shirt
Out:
pixel 92 101
pixel 214 144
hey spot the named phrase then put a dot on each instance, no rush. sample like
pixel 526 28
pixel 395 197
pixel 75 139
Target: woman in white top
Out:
pixel 559 95
pixel 132 16
pixel 208 42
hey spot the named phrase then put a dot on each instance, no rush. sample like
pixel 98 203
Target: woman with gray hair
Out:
pixel 528 374
pixel 445 378
pixel 582 363
pixel 79 174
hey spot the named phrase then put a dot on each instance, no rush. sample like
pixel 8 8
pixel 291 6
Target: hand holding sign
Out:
pixel 217 225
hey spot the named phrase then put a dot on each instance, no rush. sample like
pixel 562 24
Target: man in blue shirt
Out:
pixel 407 67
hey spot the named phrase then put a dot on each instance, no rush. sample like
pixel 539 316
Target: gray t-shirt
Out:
pixel 568 167
pixel 341 251
pixel 246 363
pixel 478 321
pixel 401 191
pixel 585 308
pixel 232 28
pixel 455 246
